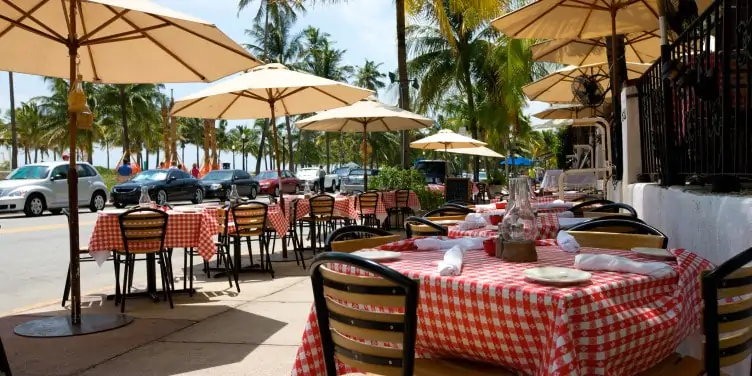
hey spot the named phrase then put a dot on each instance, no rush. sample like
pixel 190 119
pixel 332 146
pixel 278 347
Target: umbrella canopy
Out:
pixel 640 47
pixel 557 86
pixel 112 41
pixel 569 111
pixel 518 161
pixel 481 151
pixel 249 95
pixel 369 113
pixel 581 19
pixel 120 41
pixel 553 124
pixel 446 139
pixel 366 115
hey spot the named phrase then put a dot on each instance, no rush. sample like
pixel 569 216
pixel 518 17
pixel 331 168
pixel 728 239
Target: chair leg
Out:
pixel 169 267
pixel 190 274
pixel 185 268
pixel 116 266
pixel 165 282
pixel 126 288
pixel 67 286
pixel 132 261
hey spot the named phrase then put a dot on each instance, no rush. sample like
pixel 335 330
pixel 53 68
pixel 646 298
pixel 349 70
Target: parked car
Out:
pixel 433 170
pixel 217 184
pixel 164 185
pixel 37 187
pixel 311 175
pixel 268 183
pixel 354 180
pixel 338 174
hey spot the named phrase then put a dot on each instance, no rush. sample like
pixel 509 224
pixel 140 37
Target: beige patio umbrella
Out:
pixel 557 86
pixel 480 151
pixel 366 115
pixel 570 111
pixel 446 139
pixel 268 91
pixel 108 41
pixel 640 47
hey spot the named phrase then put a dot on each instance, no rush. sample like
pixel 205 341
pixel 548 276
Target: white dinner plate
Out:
pixel 654 253
pixel 555 275
pixel 114 211
pixel 377 255
pixel 187 209
pixel 446 222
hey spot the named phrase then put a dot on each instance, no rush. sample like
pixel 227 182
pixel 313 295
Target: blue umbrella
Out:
pixel 518 161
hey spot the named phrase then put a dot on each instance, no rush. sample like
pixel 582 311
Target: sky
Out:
pixel 365 28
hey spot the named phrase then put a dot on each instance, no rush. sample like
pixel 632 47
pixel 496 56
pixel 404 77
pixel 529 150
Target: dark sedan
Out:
pixel 164 186
pixel 217 184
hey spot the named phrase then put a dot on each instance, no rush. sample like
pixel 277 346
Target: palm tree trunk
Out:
pixel 198 160
pixel 124 114
pixel 289 144
pixel 108 155
pixel 404 88
pixel 13 130
pixel 473 118
pixel 261 147
pixel 157 160
pixel 36 155
pixel 328 147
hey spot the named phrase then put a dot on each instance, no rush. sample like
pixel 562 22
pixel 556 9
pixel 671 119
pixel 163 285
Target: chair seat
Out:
pixel 677 364
pixel 317 219
pixel 139 251
pixel 243 234
pixel 442 367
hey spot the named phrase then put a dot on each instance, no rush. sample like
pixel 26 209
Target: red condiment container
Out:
pixel 495 219
pixel 501 205
pixel 489 245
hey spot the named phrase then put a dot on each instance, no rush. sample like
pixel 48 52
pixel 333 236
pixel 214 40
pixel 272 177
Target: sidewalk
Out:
pixel 215 332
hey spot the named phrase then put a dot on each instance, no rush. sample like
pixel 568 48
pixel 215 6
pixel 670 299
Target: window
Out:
pixel 90 170
pixel 82 171
pixel 242 175
pixel 60 170
pixel 29 172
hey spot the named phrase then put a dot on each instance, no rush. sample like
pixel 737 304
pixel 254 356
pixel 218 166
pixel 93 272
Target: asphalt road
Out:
pixel 34 254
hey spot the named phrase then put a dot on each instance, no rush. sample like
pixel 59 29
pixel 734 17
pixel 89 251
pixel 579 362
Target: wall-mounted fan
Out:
pixel 679 13
pixel 588 90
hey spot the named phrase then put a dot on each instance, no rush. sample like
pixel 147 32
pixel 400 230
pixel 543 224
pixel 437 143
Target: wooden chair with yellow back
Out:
pixel 353 238
pixel 726 322
pixel 319 218
pixel 367 204
pixel 419 226
pixel 347 333
pixel 143 231
pixel 250 224
pixel 618 233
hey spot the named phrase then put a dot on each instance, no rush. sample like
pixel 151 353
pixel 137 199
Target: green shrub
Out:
pixel 393 178
pixel 108 176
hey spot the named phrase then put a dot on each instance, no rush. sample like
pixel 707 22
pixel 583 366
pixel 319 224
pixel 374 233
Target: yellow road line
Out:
pixel 50 303
pixel 40 228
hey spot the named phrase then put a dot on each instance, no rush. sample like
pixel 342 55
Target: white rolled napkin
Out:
pixel 558 201
pixel 476 217
pixel 451 265
pixel 467 226
pixel 621 264
pixel 566 214
pixel 427 244
pixel 567 242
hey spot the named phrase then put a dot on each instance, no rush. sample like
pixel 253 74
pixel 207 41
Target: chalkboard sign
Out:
pixel 458 189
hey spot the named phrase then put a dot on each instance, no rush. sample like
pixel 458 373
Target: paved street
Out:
pixel 34 255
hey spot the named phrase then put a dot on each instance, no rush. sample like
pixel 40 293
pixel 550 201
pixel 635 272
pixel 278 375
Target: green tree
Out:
pixel 369 76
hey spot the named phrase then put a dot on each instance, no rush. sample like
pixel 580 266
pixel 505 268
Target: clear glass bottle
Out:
pixel 519 220
pixel 145 200
pixel 306 189
pixel 233 196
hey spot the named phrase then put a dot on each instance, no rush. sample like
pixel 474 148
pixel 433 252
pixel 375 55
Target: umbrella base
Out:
pixel 61 326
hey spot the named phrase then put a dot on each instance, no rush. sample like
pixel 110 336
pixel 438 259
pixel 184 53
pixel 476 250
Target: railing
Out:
pixel 701 126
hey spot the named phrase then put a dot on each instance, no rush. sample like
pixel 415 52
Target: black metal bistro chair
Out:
pixel 418 226
pixel 224 255
pixel 346 331
pixel 143 232
pixel 401 209
pixel 83 256
pixel 319 219
pixel 343 239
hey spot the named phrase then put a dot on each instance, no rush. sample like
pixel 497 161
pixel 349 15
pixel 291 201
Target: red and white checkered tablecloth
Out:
pixel 548 227
pixel 619 324
pixel 490 209
pixel 387 201
pixel 274 217
pixel 342 207
pixel 184 230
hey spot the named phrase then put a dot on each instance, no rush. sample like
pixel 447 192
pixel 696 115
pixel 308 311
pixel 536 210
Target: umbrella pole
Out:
pixel 62 326
pixel 365 158
pixel 614 68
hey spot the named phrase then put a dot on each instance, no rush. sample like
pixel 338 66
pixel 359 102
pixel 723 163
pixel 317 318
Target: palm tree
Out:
pixel 322 60
pixel 280 44
pixel 107 138
pixel 448 63
pixel 369 76
pixel 191 130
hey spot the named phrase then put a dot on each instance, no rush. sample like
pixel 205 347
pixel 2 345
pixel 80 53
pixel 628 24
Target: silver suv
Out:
pixel 37 187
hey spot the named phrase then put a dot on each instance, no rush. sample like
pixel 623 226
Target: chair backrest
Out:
pixel 587 205
pixel 321 206
pixel 143 230
pixel 358 244
pixel 617 241
pixel 446 211
pixel 346 332
pixel 625 225
pixel 401 197
pixel 447 218
pixel 727 314
pixel 616 207
pixel 250 218
pixel 368 200
pixel 353 233
pixel 293 215
pixel 419 226
pixel 586 198
pixel 223 221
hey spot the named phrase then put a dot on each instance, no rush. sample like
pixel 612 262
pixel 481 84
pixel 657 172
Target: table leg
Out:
pixel 151 282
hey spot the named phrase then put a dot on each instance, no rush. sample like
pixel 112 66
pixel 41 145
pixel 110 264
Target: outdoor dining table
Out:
pixel 387 200
pixel 548 227
pixel 184 230
pixel 616 324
